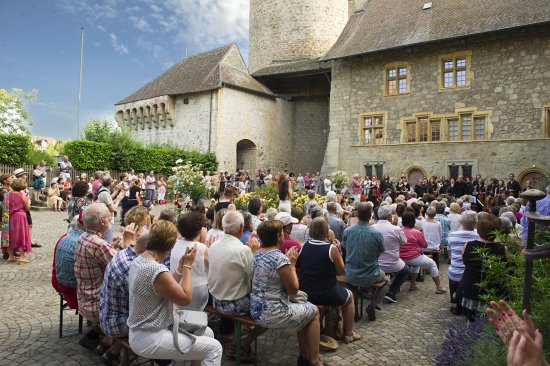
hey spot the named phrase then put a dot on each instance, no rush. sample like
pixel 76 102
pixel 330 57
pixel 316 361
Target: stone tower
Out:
pixel 286 30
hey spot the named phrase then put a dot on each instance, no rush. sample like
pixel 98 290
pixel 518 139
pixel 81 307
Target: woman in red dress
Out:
pixel 15 229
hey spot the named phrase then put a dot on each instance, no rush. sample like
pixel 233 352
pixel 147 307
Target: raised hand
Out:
pixel 253 243
pixel 506 321
pixel 292 255
pixel 189 257
pixel 129 233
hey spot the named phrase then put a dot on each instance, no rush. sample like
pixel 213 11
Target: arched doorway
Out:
pixel 414 174
pixel 535 176
pixel 246 155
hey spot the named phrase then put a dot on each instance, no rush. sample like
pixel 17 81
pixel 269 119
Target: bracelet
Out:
pixel 178 272
pixel 184 266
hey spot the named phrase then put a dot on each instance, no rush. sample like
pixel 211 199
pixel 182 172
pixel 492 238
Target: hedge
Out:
pixel 14 149
pixel 85 154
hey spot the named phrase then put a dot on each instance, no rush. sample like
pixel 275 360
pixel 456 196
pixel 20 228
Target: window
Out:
pixel 464 168
pixel 374 169
pixel 397 79
pixel 423 129
pixel 454 70
pixel 546 121
pixel 372 128
pixel 465 125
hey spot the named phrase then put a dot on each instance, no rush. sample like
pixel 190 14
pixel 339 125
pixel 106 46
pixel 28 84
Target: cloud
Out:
pixel 95 10
pixel 97 44
pixel 140 23
pixel 119 47
pixel 101 28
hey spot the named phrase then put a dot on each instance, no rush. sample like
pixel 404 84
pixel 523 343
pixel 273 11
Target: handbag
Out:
pixel 299 298
pixel 190 323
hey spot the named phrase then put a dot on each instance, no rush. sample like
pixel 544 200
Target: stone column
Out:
pixel 133 119
pixel 162 116
pixel 141 118
pixel 147 117
pixel 155 117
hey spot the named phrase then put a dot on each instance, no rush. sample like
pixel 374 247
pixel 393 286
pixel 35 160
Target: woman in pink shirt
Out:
pixel 411 253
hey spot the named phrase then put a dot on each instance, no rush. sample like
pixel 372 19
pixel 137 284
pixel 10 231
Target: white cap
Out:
pixel 285 218
pixel 19 171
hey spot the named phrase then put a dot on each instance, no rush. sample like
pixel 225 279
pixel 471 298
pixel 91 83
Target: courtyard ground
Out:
pixel 406 333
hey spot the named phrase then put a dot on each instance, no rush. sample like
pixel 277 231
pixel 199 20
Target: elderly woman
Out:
pixel 454 216
pixel 468 290
pixel 319 263
pixel 411 253
pixel 457 240
pixel 54 198
pixel 190 228
pixel 15 228
pixel 153 291
pixel 78 201
pixel 273 282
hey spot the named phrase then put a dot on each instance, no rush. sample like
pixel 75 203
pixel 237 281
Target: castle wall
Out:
pixel 267 122
pixel 289 29
pixel 510 80
pixel 310 134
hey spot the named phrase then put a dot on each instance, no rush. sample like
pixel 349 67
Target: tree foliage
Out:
pixel 99 130
pixel 14 149
pixel 14 119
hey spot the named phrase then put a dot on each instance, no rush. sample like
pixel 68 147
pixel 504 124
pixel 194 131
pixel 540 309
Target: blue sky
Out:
pixel 126 44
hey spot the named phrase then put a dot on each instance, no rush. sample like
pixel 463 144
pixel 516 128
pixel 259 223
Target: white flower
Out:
pixel 179 161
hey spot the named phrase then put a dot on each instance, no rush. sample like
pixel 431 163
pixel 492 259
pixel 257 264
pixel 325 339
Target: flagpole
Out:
pixel 80 85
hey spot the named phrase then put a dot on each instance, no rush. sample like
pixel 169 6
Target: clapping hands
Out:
pixel 253 243
pixel 292 255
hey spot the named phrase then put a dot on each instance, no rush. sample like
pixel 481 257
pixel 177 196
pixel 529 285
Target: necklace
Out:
pixel 153 255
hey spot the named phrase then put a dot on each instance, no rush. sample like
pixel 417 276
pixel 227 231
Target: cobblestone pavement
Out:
pixel 406 333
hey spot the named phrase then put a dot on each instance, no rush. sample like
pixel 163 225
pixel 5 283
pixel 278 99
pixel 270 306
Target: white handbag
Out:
pixel 190 323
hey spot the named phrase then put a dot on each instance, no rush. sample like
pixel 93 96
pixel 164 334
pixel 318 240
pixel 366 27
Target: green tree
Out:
pixel 99 130
pixel 14 119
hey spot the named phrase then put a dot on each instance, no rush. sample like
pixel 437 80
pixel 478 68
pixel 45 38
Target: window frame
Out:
pixel 416 121
pixel 373 127
pixel 397 65
pixel 453 57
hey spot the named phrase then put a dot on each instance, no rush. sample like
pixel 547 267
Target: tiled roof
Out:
pixel 198 73
pixel 397 23
pixel 292 67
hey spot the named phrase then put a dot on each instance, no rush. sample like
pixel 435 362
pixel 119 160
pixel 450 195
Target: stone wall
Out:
pixel 191 124
pixel 267 122
pixel 288 29
pixel 310 134
pixel 511 80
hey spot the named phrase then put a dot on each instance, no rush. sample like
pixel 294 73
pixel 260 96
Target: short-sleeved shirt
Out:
pixel 92 254
pixel 104 196
pixel 148 310
pixel 64 258
pixel 290 242
pixel 114 304
pixel 363 245
pixel 445 228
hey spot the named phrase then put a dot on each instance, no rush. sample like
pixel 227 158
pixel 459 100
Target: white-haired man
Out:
pixel 92 254
pixel 230 272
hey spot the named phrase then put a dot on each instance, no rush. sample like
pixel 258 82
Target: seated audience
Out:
pixel 363 245
pixel 153 291
pixel 288 222
pixel 389 260
pixel 319 263
pixel 457 240
pixel 411 253
pixel 299 229
pixel 335 223
pixel 190 228
pixel 273 282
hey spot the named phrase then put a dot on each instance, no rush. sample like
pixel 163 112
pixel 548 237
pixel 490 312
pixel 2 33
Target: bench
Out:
pixel 239 321
pixel 127 356
pixel 358 294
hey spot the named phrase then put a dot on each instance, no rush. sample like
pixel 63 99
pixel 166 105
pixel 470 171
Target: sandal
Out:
pixel 23 261
pixel 352 338
pixel 413 288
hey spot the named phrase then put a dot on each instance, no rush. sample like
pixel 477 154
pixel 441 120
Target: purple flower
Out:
pixel 458 341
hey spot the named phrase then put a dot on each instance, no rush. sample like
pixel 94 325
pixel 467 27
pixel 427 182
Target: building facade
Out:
pixel 405 88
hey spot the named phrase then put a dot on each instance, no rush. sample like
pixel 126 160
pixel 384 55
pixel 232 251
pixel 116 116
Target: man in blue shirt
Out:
pixel 363 245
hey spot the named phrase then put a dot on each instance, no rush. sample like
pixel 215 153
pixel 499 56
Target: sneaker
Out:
pixel 390 298
pixel 371 313
pixel 36 245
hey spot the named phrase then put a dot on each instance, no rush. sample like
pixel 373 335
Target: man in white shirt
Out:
pixel 151 186
pixel 389 260
pixel 230 270
pixel 327 184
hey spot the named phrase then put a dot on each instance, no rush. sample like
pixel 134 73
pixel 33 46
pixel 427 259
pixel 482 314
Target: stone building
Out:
pixel 404 87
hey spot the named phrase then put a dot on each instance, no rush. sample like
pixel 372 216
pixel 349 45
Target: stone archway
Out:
pixel 415 173
pixel 247 155
pixel 537 177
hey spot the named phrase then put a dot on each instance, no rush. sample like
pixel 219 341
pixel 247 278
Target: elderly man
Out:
pixel 456 241
pixel 288 222
pixel 92 254
pixel 230 273
pixel 335 223
pixel 65 167
pixel 363 245
pixel 389 260
pixel 151 186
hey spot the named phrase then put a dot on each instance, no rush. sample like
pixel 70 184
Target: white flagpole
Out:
pixel 80 86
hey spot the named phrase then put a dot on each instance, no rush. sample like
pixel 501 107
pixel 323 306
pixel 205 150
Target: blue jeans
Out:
pixel 400 278
pixel 150 194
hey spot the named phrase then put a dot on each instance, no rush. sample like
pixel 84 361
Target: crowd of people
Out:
pixel 279 266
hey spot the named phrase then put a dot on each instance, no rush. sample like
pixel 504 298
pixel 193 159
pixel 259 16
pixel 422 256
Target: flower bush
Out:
pixel 339 179
pixel 269 195
pixel 188 181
